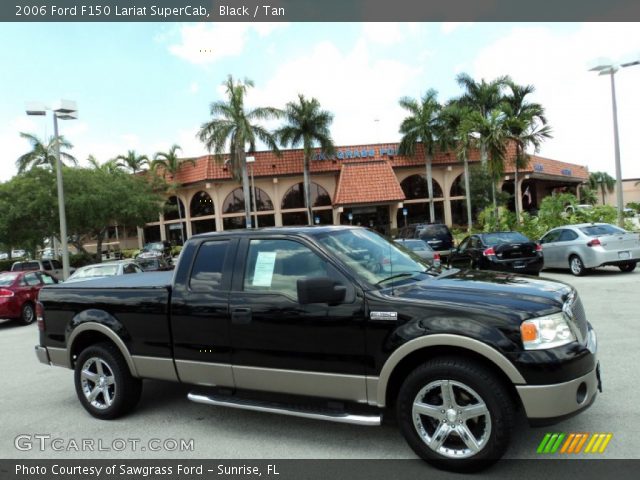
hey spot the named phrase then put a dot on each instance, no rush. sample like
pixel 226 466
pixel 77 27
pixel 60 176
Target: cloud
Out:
pixel 194 87
pixel 450 27
pixel 356 87
pixel 578 102
pixel 205 43
pixel 390 33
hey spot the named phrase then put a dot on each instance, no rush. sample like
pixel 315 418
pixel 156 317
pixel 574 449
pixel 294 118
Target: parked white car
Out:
pixel 107 269
pixel 590 245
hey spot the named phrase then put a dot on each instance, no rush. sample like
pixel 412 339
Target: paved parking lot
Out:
pixel 36 399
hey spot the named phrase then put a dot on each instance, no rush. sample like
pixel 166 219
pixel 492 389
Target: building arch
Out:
pixel 294 197
pixel 457 187
pixel 234 202
pixel 174 209
pixel 201 205
pixel 415 187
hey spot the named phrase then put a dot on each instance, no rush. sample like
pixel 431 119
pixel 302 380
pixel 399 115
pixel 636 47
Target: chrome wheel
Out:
pixel 451 419
pixel 577 267
pixel 98 383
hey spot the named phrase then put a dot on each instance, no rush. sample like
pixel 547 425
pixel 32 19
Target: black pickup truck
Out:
pixel 332 323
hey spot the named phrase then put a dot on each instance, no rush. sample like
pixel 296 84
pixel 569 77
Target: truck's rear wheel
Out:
pixel 104 383
pixel 455 414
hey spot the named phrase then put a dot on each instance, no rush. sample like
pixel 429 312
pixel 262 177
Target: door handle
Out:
pixel 241 316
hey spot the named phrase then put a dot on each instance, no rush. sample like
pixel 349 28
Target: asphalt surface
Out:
pixel 38 399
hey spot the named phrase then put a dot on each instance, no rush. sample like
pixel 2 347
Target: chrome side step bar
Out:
pixel 285 409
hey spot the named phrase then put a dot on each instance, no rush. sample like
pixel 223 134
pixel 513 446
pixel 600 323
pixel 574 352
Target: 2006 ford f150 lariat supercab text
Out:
pixel 332 323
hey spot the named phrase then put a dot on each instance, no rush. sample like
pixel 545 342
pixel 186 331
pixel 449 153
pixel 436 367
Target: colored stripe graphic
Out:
pixel 574 443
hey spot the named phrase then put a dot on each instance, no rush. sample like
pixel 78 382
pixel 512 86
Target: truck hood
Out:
pixel 514 295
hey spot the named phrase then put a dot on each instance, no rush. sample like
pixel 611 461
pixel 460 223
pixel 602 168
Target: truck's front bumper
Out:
pixel 547 404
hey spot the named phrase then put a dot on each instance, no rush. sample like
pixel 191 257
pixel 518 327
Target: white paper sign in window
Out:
pixel 263 274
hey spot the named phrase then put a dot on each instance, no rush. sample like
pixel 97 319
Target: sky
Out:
pixel 147 86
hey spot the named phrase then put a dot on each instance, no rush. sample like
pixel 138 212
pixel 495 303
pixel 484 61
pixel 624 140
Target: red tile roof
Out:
pixel 367 182
pixel 290 162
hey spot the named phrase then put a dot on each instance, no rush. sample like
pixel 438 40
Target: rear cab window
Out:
pixel 208 266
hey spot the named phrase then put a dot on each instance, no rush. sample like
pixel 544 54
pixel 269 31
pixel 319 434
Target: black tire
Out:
pixel 472 386
pixel 27 314
pixel 576 265
pixel 628 267
pixel 117 393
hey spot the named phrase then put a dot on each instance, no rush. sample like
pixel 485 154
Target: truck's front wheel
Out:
pixel 455 414
pixel 104 383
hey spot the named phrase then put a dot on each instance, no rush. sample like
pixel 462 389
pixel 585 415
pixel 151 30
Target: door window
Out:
pixel 31 279
pixel 46 279
pixel 275 266
pixel 206 274
pixel 46 265
pixel 464 245
pixel 56 264
pixel 551 237
pixel 567 236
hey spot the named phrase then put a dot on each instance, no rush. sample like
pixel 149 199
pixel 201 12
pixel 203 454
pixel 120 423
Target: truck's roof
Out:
pixel 305 230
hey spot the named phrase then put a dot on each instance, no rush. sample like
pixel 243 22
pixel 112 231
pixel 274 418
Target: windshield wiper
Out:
pixel 399 275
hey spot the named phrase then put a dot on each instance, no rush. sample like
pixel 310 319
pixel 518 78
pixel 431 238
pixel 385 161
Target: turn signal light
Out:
pixel 529 332
pixel 489 251
pixel 594 243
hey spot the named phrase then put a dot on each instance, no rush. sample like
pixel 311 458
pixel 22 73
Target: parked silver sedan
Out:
pixel 421 249
pixel 107 269
pixel 590 245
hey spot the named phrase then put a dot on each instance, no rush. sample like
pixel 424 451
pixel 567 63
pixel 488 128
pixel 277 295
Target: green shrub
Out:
pixel 5 265
pixel 77 260
pixel 175 250
pixel 129 252
pixel 489 222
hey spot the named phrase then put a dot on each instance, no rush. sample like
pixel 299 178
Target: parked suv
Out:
pixel 52 267
pixel 437 235
pixel 160 249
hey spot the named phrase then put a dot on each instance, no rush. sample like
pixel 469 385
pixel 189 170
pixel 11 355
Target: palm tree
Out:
pixel 601 181
pixel 43 153
pixel 171 164
pixel 493 137
pixel 307 125
pixel 458 133
pixel 234 124
pixel 110 166
pixel 527 127
pixel 132 161
pixel 422 125
pixel 483 96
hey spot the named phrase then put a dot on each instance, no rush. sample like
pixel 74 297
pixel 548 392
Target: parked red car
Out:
pixel 19 292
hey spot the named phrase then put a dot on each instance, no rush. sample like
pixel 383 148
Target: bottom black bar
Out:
pixel 543 468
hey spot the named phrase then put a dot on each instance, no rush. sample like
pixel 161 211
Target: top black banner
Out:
pixel 317 10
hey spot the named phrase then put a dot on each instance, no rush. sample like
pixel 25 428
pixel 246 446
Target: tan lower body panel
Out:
pixel 315 384
pixel 154 367
pixel 205 374
pixel 59 357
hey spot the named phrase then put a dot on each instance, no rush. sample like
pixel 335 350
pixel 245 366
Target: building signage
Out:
pixel 538 167
pixel 566 171
pixel 347 153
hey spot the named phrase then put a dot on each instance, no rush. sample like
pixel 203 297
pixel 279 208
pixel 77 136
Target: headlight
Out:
pixel 546 332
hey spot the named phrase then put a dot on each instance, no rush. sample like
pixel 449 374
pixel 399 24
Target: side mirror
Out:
pixel 320 290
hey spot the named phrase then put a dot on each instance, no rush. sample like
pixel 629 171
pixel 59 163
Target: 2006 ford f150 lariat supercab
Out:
pixel 332 323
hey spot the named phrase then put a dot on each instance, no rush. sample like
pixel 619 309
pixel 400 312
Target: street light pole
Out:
pixel 606 67
pixel 252 160
pixel 61 207
pixel 65 110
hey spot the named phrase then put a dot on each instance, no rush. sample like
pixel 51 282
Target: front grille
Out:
pixel 574 310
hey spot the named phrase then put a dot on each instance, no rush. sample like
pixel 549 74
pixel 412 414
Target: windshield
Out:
pixel 606 229
pixel 7 279
pixel 154 247
pixel 369 255
pixel 416 245
pixel 504 237
pixel 96 271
